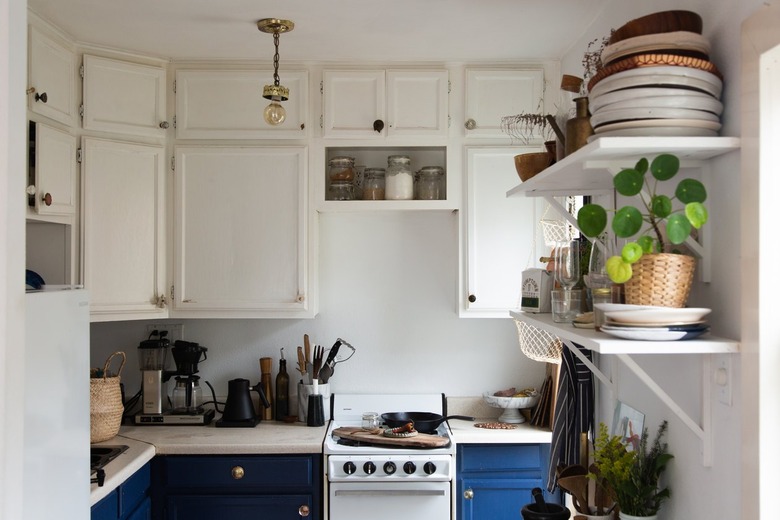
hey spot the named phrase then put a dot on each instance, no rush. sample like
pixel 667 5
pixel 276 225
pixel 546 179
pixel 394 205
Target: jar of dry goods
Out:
pixel 374 184
pixel 430 183
pixel 340 190
pixel 341 169
pixel 399 180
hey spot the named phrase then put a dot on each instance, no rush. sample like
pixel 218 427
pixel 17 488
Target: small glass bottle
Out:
pixel 340 190
pixel 430 183
pixel 341 169
pixel 399 180
pixel 374 184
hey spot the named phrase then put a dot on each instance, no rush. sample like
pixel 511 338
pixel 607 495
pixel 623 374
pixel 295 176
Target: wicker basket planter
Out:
pixel 661 279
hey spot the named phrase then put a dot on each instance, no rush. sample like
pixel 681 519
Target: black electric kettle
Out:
pixel 239 408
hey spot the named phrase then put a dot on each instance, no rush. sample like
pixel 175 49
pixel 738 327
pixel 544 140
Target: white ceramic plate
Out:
pixel 670 41
pixel 657 131
pixel 661 76
pixel 659 315
pixel 623 99
pixel 652 334
pixel 607 115
pixel 661 325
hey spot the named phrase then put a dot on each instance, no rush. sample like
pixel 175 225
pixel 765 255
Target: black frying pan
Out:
pixel 424 422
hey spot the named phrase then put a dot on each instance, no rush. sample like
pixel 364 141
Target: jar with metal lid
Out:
pixel 370 421
pixel 341 169
pixel 374 184
pixel 430 183
pixel 399 179
pixel 340 190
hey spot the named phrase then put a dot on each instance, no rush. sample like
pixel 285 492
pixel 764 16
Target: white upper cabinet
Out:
pixel 498 234
pixel 375 104
pixel 493 94
pixel 241 228
pixel 51 78
pixel 229 104
pixel 124 97
pixel 124 224
pixel 53 171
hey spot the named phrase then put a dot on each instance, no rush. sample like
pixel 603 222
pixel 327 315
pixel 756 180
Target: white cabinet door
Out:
pixel 241 232
pixel 123 97
pixel 352 101
pixel 499 234
pixel 493 94
pixel 124 223
pixel 229 104
pixel 54 168
pixel 52 73
pixel 417 102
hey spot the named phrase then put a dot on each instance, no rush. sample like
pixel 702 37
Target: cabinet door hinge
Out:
pixel 174 122
pixel 81 71
pixel 449 121
pixel 322 88
pixel 320 120
pixel 174 86
pixel 449 87
pixel 78 155
pixel 173 163
pixel 172 293
pixel 81 110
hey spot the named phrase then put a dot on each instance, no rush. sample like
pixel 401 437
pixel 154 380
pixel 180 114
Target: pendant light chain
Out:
pixel 276 58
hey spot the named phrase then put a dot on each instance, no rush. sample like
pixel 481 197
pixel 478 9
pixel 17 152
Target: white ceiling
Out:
pixel 329 30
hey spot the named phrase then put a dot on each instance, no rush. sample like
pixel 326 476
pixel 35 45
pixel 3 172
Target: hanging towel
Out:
pixel 573 412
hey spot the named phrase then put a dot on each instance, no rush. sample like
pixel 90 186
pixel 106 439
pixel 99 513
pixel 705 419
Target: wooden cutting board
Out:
pixel 421 440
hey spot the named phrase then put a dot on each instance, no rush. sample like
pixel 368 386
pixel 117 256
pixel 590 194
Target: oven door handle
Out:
pixel 390 492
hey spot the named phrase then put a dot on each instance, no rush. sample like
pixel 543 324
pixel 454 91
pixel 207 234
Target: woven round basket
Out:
pixel 538 344
pixel 661 279
pixel 105 403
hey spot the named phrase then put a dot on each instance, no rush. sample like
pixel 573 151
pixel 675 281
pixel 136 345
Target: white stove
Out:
pixel 378 481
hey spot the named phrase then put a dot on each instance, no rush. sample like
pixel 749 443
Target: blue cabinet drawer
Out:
pixel 267 507
pixel 526 459
pixel 262 472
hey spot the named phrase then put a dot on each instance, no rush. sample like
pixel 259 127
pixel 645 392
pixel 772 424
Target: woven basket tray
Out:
pixel 661 279
pixel 105 403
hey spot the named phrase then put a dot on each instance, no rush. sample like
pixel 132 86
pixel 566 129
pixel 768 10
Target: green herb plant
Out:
pixel 656 209
pixel 632 477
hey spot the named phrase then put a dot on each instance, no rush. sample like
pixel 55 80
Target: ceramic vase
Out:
pixel 578 128
pixel 624 516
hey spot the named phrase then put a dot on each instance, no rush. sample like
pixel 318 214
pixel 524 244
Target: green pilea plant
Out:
pixel 660 221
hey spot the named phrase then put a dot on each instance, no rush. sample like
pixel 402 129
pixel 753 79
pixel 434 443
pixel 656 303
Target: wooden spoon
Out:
pixel 577 485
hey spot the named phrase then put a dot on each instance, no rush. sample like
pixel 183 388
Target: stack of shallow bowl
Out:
pixel 657 79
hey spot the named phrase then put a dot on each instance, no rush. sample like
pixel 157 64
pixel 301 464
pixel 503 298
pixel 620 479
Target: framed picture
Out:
pixel 628 424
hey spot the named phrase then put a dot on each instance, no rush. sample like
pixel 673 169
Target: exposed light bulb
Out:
pixel 274 114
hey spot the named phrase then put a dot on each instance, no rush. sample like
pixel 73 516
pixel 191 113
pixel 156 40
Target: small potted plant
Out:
pixel 659 226
pixel 633 477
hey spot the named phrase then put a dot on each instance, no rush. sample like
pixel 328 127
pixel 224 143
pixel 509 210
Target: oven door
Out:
pixel 389 500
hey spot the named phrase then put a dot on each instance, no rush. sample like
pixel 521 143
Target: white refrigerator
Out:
pixel 56 405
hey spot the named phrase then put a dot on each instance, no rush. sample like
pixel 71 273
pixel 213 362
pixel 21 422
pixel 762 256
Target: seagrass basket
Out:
pixel 661 279
pixel 105 403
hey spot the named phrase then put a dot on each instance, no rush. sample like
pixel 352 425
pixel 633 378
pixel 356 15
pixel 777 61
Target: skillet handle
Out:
pixel 461 417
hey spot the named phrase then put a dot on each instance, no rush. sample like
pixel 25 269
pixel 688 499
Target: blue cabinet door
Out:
pixel 143 512
pixel 107 508
pixel 211 507
pixel 492 499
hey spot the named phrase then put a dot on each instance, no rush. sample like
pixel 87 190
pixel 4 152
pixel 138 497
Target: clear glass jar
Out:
pixel 340 190
pixel 374 184
pixel 341 169
pixel 370 421
pixel 399 180
pixel 430 183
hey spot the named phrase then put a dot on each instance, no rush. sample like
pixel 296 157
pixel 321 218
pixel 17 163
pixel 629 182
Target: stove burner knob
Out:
pixel 389 468
pixel 349 468
pixel 429 468
pixel 369 468
pixel 409 468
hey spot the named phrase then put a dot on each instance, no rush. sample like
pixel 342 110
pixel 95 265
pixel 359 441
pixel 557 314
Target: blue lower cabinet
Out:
pixel 129 501
pixel 209 487
pixel 495 480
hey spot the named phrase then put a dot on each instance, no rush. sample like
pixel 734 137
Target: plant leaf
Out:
pixel 642 165
pixel 592 220
pixel 697 214
pixel 661 206
pixel 627 222
pixel 678 228
pixel 665 166
pixel 646 243
pixel 628 182
pixel 691 190
pixel 619 270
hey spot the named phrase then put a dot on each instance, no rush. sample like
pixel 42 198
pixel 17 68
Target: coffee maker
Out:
pixel 187 400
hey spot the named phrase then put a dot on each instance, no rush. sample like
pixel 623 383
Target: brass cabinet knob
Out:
pixel 164 125
pixel 468 494
pixel 472 298
pixel 237 472
pixel 303 510
pixel 470 124
pixel 47 199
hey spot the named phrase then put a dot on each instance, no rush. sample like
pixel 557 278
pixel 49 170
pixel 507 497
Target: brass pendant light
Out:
pixel 275 114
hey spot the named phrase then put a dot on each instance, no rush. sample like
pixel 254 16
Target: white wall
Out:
pixel 697 491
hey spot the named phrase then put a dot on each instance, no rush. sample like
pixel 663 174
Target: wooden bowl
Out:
pixel 660 22
pixel 529 164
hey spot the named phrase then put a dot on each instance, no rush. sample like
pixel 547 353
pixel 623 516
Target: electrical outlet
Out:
pixel 175 330
pixel 723 378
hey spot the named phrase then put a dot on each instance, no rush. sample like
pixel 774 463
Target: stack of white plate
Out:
pixel 646 323
pixel 656 84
